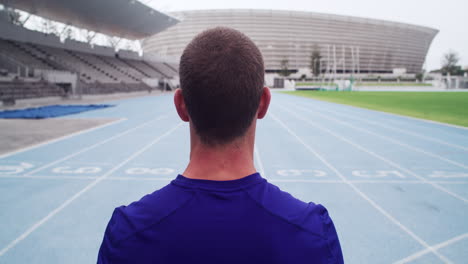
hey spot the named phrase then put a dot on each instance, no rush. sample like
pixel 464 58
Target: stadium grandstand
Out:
pixel 38 64
pixel 344 44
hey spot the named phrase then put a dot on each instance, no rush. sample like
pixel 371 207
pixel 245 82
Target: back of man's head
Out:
pixel 221 76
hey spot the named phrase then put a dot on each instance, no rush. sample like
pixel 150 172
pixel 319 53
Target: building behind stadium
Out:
pixel 345 44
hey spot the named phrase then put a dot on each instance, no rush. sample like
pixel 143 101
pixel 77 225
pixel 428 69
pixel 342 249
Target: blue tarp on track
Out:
pixel 50 111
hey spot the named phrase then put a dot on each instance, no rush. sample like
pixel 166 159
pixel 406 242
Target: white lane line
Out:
pixel 259 161
pixel 140 178
pixel 46 177
pixel 377 156
pixel 82 191
pixel 386 138
pixel 367 181
pixel 61 177
pixel 48 142
pixel 440 124
pixel 48 165
pixel 418 135
pixel 436 247
pixel 72 178
pixel 359 192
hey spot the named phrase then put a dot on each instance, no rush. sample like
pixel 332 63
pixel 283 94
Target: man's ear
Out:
pixel 180 105
pixel 264 103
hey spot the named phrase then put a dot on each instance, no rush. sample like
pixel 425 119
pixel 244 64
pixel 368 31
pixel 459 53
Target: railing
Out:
pixel 14 66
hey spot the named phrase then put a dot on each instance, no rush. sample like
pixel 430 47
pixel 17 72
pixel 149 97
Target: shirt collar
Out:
pixel 219 185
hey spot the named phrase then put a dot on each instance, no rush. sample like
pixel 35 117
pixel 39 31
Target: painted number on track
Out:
pixel 14 169
pixel 81 170
pixel 294 172
pixel 377 174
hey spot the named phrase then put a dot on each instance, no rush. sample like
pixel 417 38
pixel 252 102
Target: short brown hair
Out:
pixel 221 76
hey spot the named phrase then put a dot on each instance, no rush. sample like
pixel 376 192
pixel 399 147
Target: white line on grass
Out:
pixel 425 251
pixel 6 155
pixel 363 195
pixel 418 135
pixel 259 161
pixel 92 146
pixel 82 191
pixel 377 156
pixel 385 137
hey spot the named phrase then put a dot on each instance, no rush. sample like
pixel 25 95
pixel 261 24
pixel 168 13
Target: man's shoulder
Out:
pixel 146 212
pixel 309 216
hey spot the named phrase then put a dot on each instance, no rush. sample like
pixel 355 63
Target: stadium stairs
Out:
pixel 170 67
pixel 134 67
pixel 154 68
pixel 19 89
pixel 97 73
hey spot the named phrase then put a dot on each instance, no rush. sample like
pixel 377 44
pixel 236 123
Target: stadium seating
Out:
pixel 106 88
pixel 19 89
pixel 107 72
pixel 15 51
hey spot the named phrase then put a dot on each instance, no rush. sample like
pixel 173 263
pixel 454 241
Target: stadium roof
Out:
pixel 129 19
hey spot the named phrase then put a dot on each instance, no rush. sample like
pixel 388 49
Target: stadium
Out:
pixel 88 124
pixel 346 44
pixel 42 64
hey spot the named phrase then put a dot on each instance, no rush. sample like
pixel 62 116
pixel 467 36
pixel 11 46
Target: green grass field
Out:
pixel 313 84
pixel 446 107
pixel 393 84
pixel 366 84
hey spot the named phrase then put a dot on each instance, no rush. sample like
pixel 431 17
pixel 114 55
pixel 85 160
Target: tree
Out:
pixel 315 61
pixel 69 33
pixel 449 64
pixel 420 75
pixel 49 27
pixel 15 17
pixel 284 68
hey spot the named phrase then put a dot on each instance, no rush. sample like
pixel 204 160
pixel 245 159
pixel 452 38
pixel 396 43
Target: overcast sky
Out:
pixel 448 16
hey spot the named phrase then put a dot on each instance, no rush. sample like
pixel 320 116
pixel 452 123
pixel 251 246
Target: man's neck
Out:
pixel 224 163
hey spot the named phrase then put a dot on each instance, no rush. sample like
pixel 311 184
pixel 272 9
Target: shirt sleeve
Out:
pixel 331 236
pixel 109 252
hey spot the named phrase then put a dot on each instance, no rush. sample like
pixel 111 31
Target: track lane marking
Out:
pixel 48 142
pixel 378 156
pixel 123 178
pixel 82 191
pixel 259 161
pixel 83 150
pixel 425 251
pixel 386 138
pixel 362 194
pixel 402 117
pixel 392 128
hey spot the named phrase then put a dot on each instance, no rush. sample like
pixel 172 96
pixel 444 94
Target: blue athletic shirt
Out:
pixel 200 221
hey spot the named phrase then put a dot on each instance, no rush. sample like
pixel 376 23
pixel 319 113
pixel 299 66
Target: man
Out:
pixel 220 210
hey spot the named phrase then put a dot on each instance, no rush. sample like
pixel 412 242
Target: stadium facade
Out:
pixel 345 44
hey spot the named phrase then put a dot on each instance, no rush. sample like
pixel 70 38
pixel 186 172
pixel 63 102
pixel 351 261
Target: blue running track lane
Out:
pixel 396 187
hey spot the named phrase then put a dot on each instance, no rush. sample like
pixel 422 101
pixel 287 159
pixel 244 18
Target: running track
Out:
pixel 396 187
